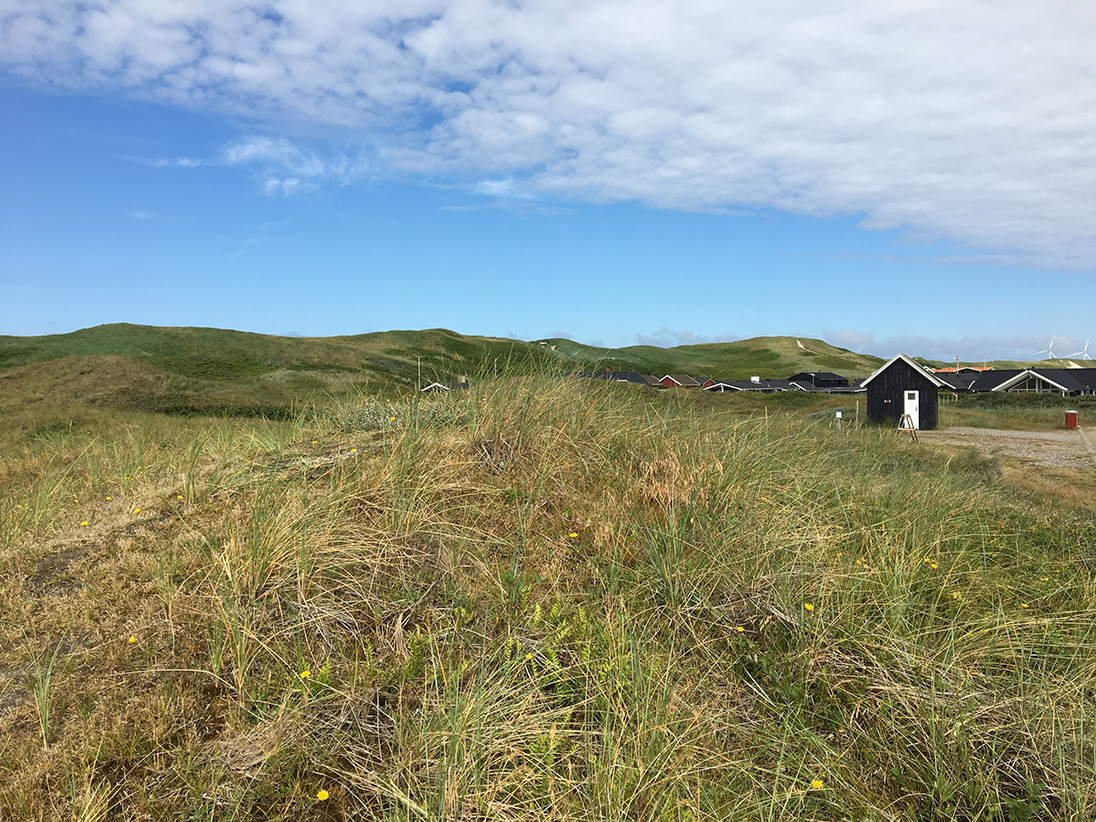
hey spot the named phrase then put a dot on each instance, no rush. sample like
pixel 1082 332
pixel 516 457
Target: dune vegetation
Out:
pixel 540 599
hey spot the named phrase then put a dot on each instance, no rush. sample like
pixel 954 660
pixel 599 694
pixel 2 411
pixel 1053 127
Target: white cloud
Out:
pixel 968 122
pixel 287 168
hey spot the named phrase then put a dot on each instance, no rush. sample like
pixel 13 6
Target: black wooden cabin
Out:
pixel 899 387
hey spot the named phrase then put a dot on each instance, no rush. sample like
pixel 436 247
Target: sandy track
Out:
pixel 1057 449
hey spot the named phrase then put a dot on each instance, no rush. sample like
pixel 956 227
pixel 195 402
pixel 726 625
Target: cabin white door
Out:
pixel 912 408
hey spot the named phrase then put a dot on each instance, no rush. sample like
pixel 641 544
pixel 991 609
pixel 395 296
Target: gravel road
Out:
pixel 1057 449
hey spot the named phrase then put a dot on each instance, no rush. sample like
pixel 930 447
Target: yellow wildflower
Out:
pixel 136 510
pixel 132 639
pixel 816 784
pixel 808 606
pixel 573 534
pixel 109 499
pixel 305 674
pixel 321 795
pixel 740 629
pixel 934 566
pixel 1024 605
pixel 353 450
pixel 84 523
pixel 178 496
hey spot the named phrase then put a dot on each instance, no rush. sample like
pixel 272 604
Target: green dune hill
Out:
pixel 209 370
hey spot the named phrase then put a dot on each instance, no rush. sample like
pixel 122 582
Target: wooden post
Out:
pixel 906 424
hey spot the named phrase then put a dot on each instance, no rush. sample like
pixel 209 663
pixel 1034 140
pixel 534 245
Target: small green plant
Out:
pixel 41 685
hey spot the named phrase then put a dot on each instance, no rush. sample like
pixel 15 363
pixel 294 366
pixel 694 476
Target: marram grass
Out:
pixel 541 599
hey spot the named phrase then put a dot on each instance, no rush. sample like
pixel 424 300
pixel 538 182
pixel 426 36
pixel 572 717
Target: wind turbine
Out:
pixel 1049 350
pixel 1083 353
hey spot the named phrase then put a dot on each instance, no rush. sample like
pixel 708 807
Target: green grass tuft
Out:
pixel 536 599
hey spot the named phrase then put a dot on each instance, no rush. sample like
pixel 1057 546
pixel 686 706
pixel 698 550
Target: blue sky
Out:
pixel 156 175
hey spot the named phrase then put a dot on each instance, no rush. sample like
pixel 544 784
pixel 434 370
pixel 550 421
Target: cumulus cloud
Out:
pixel 967 122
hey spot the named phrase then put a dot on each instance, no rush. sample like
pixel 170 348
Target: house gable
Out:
pixel 888 387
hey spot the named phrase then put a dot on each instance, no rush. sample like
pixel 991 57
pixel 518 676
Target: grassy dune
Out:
pixel 544 599
pixel 207 370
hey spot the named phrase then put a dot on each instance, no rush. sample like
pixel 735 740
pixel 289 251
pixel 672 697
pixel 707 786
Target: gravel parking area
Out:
pixel 1057 449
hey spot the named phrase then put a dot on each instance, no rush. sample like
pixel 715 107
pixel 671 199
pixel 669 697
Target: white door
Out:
pixel 912 409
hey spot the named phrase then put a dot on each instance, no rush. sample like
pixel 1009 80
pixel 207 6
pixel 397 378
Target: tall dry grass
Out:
pixel 541 599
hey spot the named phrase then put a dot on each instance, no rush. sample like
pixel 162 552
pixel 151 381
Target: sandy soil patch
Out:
pixel 1053 449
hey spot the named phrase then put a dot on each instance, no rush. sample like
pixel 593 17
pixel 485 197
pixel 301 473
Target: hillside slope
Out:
pixel 207 369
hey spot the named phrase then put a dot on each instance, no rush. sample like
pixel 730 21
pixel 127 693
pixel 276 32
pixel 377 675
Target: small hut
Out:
pixel 902 389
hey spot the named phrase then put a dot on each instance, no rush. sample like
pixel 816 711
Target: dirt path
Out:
pixel 1056 449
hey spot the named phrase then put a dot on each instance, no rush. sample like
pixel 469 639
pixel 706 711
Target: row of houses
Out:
pixel 901 392
pixel 805 381
pixel 1069 382
pixel 905 393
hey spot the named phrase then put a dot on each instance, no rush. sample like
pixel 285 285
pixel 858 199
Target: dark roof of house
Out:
pixel 446 386
pixel 683 380
pixel 625 376
pixel 817 376
pixel 935 379
pixel 612 376
pixel 765 385
pixel 1071 379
